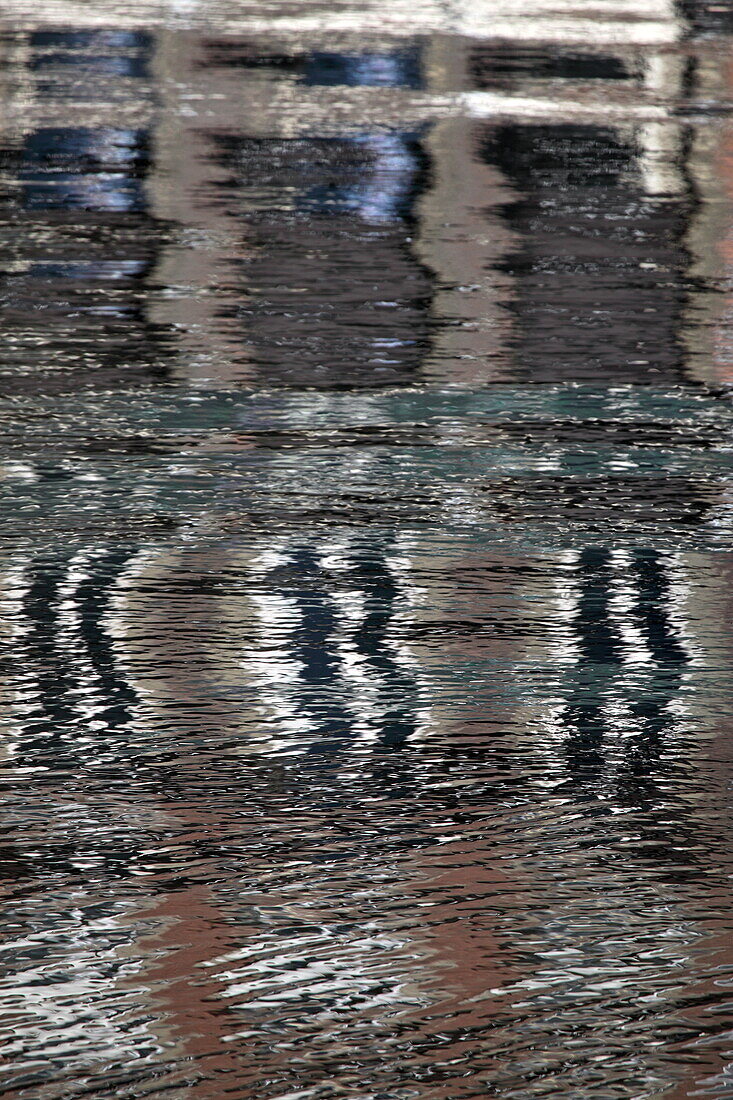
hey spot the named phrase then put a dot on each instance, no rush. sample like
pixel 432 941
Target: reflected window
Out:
pixel 75 167
pixel 97 52
pixel 323 68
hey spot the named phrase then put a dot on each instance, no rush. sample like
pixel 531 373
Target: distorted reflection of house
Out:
pixel 259 181
pixel 313 254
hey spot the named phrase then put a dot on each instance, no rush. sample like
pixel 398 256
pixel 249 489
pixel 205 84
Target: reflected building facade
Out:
pixel 251 248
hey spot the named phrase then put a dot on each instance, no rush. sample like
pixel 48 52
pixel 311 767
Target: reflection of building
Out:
pixel 256 147
pixel 306 247
pixel 75 187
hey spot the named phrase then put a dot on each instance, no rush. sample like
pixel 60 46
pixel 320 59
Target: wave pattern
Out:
pixel 366 545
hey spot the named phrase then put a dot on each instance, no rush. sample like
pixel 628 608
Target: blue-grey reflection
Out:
pixel 339 298
pixel 344 723
pixel 324 68
pixel 84 169
pixel 393 70
pixel 386 188
pixel 80 190
pixel 62 59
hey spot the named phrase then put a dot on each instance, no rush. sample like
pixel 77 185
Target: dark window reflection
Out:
pixel 89 169
pixel 85 57
pixel 646 675
pixel 394 68
pixel 600 268
pixel 704 17
pixel 511 64
pixel 399 69
pixel 338 297
pixel 76 271
pixel 70 669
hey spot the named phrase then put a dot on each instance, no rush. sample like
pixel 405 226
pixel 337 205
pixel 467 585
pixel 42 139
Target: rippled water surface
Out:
pixel 366 549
